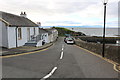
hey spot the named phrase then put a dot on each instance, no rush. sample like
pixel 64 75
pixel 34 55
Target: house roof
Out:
pixel 49 31
pixel 42 30
pixel 13 20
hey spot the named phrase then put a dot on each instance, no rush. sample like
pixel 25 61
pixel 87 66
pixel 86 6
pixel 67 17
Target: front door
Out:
pixel 28 34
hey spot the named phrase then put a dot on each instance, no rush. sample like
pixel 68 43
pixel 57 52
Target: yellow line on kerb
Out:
pixel 108 60
pixel 22 54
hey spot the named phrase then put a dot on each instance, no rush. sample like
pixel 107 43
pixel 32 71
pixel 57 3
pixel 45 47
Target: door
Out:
pixel 28 34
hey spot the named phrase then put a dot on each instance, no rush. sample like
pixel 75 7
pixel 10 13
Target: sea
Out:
pixel 110 32
pixel 93 31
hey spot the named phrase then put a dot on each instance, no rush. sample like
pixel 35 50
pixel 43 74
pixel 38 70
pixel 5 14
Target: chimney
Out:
pixel 23 14
pixel 39 24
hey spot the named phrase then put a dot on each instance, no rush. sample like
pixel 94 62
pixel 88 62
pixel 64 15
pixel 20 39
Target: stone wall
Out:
pixel 111 52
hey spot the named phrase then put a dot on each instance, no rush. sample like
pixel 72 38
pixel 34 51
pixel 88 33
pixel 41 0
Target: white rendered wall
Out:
pixel 48 41
pixel 11 37
pixel 37 30
pixel 22 41
pixel 0 33
pixel 31 31
pixel 3 35
pixel 50 38
pixel 39 43
pixel 55 35
pixel 46 38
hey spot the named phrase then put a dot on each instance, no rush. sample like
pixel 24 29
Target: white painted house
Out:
pixel 18 31
pixel 44 35
pixel 53 34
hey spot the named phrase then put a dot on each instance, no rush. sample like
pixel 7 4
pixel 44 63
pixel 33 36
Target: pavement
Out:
pixel 23 49
pixel 61 62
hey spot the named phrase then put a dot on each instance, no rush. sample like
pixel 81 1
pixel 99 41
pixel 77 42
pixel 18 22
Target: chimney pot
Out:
pixel 23 14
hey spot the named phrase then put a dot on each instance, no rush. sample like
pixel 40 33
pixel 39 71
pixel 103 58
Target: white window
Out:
pixel 19 33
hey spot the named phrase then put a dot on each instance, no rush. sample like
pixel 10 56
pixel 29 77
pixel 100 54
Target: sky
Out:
pixel 65 12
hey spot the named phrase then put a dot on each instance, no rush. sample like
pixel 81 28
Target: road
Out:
pixel 59 61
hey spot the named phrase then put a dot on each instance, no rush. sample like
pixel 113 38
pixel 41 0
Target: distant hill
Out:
pixel 62 31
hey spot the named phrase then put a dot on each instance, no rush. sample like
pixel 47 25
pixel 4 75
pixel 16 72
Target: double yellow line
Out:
pixel 22 54
pixel 108 60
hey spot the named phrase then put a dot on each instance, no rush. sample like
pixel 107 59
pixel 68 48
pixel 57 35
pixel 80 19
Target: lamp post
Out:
pixel 103 50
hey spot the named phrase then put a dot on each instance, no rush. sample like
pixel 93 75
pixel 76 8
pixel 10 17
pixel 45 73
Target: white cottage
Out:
pixel 44 35
pixel 53 34
pixel 18 31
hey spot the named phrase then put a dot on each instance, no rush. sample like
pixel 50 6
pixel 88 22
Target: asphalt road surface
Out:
pixel 59 61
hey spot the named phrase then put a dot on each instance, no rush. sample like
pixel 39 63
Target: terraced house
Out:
pixel 53 34
pixel 18 30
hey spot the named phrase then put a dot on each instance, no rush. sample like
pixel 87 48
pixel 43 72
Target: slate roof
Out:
pixel 49 31
pixel 15 20
pixel 42 30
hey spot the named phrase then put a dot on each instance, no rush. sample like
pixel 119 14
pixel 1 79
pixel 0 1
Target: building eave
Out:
pixel 7 23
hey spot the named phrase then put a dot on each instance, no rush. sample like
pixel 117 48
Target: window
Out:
pixel 45 35
pixel 19 34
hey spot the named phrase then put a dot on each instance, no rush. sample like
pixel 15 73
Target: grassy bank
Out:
pixel 62 31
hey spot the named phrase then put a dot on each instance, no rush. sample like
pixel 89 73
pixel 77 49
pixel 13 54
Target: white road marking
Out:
pixel 61 55
pixel 55 68
pixel 50 74
pixel 62 49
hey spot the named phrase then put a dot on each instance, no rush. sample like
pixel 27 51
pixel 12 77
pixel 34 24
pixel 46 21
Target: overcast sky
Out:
pixel 64 12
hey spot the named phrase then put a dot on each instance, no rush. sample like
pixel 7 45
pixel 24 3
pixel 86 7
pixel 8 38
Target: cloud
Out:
pixel 49 6
pixel 55 12
pixel 112 9
pixel 64 22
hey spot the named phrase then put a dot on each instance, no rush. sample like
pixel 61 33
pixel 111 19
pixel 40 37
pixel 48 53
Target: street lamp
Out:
pixel 104 3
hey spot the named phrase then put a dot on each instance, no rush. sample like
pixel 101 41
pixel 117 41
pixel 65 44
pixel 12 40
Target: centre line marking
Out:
pixel 50 74
pixel 61 55
pixel 62 49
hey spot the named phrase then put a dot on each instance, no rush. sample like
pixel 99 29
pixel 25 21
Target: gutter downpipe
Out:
pixel 16 37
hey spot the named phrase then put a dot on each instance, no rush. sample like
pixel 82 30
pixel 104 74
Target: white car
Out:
pixel 69 40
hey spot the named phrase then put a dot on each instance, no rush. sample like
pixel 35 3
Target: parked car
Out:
pixel 69 40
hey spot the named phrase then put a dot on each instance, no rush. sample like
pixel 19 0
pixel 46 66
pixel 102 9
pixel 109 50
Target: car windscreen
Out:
pixel 69 39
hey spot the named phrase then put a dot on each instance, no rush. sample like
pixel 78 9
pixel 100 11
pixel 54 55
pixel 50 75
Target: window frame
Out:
pixel 19 33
